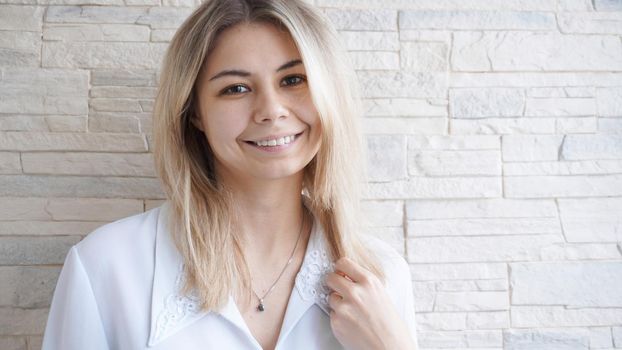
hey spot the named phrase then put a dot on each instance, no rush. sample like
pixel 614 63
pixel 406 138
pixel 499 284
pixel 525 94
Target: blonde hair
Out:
pixel 203 214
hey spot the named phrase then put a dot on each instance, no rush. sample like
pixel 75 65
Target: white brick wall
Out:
pixel 494 130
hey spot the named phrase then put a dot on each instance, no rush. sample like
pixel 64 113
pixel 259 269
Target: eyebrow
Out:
pixel 243 73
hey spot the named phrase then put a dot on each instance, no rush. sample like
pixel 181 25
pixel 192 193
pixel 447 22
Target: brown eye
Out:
pixel 294 80
pixel 233 90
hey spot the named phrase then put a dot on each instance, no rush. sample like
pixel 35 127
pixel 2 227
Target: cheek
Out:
pixel 224 124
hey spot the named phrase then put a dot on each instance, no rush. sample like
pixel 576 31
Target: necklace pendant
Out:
pixel 260 307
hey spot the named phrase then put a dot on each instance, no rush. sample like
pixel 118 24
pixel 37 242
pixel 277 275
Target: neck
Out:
pixel 269 216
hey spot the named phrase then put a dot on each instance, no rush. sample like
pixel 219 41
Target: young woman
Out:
pixel 258 245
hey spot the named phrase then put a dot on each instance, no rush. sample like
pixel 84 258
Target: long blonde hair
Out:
pixel 203 214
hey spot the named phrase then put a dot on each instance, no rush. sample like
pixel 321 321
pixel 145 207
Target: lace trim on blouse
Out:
pixel 310 280
pixel 177 307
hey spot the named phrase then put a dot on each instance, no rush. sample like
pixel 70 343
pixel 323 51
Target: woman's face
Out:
pixel 255 106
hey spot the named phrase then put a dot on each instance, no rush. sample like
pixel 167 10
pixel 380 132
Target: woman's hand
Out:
pixel 362 315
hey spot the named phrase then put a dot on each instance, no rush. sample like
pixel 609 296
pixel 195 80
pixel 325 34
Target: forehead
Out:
pixel 251 46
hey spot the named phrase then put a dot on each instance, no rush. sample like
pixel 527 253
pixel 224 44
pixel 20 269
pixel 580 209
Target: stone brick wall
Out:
pixel 494 132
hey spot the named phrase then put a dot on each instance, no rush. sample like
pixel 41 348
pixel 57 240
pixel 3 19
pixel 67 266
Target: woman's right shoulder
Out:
pixel 131 235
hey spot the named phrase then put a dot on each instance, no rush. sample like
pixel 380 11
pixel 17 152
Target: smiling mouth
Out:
pixel 276 141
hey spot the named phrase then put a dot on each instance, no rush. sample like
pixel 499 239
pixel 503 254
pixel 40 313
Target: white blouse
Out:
pixel 120 289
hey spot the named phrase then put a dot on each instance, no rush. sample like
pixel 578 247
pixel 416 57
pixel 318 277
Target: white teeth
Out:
pixel 276 142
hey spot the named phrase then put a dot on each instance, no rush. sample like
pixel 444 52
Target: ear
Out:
pixel 196 121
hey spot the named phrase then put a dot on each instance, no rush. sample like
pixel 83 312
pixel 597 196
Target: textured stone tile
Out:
pixel 19 48
pixel 96 32
pixel 35 342
pixel 92 209
pixel 384 213
pixel 502 126
pixel 164 17
pixel 123 77
pixel 351 19
pixel 41 141
pixel 401 126
pixel 23 209
pixel 80 186
pixel 580 252
pixel 424 57
pixel 591 219
pixel 583 167
pixel 459 271
pixel 559 316
pixel 537 51
pixel 422 187
pixel 375 60
pixel 617 336
pixel 48 228
pixel 112 124
pixel 35 250
pixel 607 5
pixel 83 163
pixel 488 320
pixel 55 123
pixel 162 35
pixel 562 186
pixel 13 343
pixel 43 91
pixel 610 125
pixel 600 337
pixel 534 79
pixel 523 5
pixel 9 163
pixel 482 20
pixel 127 92
pixel 126 55
pixel 471 301
pixel 563 107
pixel 403 84
pixel 386 157
pixel 567 283
pixel 483 227
pixel 478 249
pixel 404 107
pixel 521 148
pixel 27 287
pixel 485 103
pixel 495 208
pixel 588 147
pixel 576 125
pixel 22 321
pixel 370 40
pixel 93 14
pixel 549 339
pixel 609 102
pixel 591 22
pixel 454 163
pixel 21 18
pixel 453 142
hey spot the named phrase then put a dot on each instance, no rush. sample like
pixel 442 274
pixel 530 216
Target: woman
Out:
pixel 258 245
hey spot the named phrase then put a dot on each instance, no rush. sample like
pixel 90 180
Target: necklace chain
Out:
pixel 260 306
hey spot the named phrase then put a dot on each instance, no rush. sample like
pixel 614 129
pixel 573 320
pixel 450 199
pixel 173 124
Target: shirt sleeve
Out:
pixel 74 322
pixel 408 311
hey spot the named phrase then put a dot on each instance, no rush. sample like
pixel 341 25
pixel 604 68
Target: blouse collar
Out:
pixel 171 311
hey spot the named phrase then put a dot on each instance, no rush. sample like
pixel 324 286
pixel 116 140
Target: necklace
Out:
pixel 261 307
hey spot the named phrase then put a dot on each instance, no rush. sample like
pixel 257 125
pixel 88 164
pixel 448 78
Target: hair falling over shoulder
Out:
pixel 202 213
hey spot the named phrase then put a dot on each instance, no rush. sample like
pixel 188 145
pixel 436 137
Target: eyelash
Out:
pixel 227 90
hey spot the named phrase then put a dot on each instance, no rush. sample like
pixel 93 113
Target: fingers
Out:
pixel 334 300
pixel 338 283
pixel 352 270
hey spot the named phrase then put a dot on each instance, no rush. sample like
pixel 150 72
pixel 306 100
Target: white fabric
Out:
pixel 119 289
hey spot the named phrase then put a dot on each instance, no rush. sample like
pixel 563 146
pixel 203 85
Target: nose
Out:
pixel 269 106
